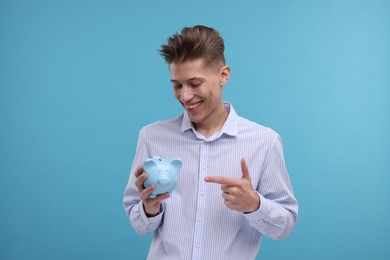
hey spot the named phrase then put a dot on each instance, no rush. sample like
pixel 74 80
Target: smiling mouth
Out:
pixel 194 106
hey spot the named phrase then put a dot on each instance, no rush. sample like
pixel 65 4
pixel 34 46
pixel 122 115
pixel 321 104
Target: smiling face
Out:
pixel 199 89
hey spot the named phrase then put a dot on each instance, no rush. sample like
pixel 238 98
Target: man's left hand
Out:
pixel 238 194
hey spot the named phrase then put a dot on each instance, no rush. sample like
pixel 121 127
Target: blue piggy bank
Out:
pixel 162 174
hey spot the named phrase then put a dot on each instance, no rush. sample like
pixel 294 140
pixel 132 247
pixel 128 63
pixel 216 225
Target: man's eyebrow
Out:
pixel 195 78
pixel 190 79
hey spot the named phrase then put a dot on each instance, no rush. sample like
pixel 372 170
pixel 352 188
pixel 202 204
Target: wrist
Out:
pixel 150 213
pixel 255 205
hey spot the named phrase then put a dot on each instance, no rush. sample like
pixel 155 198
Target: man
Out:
pixel 233 186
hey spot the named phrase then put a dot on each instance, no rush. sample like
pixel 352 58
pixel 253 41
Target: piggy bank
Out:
pixel 162 174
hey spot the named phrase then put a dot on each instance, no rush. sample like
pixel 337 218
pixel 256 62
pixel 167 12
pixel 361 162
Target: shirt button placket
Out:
pixel 201 202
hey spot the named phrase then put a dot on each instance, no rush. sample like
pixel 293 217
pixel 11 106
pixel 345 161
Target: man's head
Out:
pixel 198 42
pixel 198 74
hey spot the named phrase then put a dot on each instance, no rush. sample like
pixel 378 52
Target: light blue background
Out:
pixel 79 78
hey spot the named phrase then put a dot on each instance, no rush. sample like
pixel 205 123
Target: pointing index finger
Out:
pixel 221 180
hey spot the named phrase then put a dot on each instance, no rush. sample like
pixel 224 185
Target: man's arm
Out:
pixel 272 209
pixel 144 213
pixel 279 212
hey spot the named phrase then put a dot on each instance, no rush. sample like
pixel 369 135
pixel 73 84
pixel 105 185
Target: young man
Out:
pixel 233 186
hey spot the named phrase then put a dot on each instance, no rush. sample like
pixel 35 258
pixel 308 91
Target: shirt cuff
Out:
pixel 150 220
pixel 262 212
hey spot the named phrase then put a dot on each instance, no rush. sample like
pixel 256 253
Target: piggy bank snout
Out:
pixel 163 180
pixel 161 173
pixel 163 177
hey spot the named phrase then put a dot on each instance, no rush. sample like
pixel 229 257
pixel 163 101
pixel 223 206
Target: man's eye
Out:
pixel 177 86
pixel 194 85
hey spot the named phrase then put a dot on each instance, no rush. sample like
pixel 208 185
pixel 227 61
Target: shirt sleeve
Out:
pixel 278 211
pixel 131 201
pixel 141 223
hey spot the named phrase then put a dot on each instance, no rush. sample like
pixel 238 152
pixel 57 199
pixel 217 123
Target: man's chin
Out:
pixel 195 119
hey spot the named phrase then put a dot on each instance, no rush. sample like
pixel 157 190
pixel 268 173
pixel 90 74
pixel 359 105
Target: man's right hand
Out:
pixel 151 206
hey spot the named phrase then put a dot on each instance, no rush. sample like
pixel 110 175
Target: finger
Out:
pixel 222 180
pixel 226 196
pixel 138 171
pixel 244 169
pixel 227 203
pixel 162 197
pixel 145 193
pixel 139 183
pixel 225 189
pixel 232 190
pixel 158 198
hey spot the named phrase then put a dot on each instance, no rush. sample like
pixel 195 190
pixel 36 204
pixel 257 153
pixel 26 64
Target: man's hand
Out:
pixel 238 194
pixel 151 206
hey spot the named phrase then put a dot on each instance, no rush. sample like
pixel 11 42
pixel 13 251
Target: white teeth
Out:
pixel 193 106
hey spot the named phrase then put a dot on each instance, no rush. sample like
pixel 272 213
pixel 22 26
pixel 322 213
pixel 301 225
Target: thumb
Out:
pixel 244 169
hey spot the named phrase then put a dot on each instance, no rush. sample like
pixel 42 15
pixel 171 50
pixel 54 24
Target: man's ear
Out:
pixel 224 75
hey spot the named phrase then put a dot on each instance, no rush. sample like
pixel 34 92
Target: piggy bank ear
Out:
pixel 176 163
pixel 149 164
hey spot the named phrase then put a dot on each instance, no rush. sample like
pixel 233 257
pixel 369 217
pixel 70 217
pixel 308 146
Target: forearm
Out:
pixel 141 223
pixel 278 211
pixel 273 219
pixel 133 205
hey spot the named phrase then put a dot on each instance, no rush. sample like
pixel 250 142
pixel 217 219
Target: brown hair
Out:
pixel 195 42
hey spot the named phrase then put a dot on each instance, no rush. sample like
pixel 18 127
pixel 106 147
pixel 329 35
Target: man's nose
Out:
pixel 186 94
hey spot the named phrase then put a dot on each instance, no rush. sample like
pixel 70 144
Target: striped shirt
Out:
pixel 194 222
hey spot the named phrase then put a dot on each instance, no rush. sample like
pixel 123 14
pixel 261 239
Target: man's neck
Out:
pixel 212 125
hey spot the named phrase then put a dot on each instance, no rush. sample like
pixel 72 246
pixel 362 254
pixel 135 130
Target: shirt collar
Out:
pixel 229 127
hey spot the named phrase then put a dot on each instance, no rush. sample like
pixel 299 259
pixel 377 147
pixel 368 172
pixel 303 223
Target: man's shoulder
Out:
pixel 164 125
pixel 246 125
